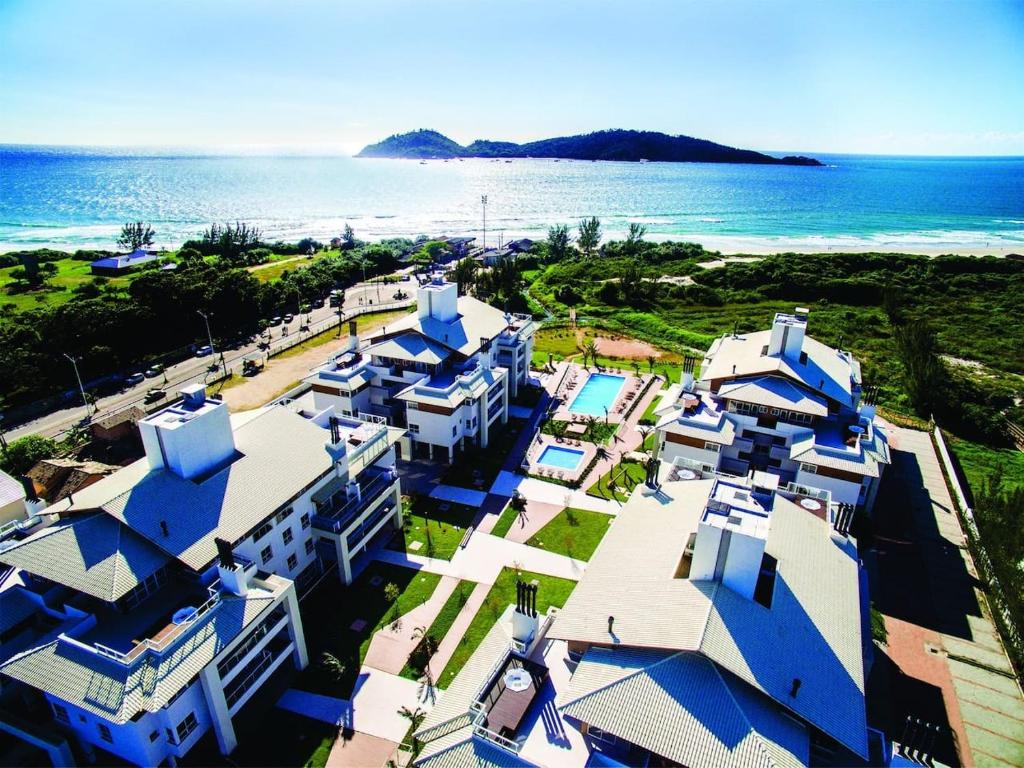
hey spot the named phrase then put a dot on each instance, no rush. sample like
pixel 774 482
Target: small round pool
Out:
pixel 562 458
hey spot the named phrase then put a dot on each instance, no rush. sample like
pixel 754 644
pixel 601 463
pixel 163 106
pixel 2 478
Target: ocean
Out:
pixel 77 198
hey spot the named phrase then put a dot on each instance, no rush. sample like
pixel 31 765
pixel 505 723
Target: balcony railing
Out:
pixel 159 646
pixel 336 518
pixel 362 456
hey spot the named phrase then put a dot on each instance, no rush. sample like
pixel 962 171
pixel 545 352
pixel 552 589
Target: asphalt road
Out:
pixel 359 299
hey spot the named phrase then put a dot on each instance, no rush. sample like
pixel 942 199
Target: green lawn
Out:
pixel 552 591
pixel 648 414
pixel 573 532
pixel 980 461
pixel 438 532
pixel 628 474
pixel 444 620
pixel 505 522
pixel 329 613
pixel 71 273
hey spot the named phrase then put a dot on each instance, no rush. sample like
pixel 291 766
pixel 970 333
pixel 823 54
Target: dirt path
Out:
pixel 282 373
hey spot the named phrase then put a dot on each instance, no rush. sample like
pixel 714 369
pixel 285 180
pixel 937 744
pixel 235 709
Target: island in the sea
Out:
pixel 625 145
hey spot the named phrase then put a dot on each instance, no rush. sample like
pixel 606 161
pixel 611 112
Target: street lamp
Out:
pixel 209 336
pixel 483 202
pixel 85 401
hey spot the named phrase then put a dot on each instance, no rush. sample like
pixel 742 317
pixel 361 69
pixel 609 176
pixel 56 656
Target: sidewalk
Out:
pixel 551 493
pixel 446 648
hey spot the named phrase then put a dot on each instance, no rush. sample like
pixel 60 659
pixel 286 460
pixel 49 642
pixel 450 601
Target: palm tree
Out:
pixel 636 368
pixel 415 718
pixel 591 423
pixel 333 666
pixel 651 360
pixel 590 350
pixel 429 642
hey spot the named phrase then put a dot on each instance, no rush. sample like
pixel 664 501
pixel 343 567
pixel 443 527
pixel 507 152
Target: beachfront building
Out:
pixel 122 263
pixel 166 595
pixel 445 372
pixel 720 622
pixel 777 401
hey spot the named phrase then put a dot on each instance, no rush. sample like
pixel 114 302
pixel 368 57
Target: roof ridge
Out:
pixel 743 713
pixel 28 652
pixel 117 560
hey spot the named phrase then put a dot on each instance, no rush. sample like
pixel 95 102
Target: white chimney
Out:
pixel 730 541
pixel 438 299
pixel 787 337
pixel 190 438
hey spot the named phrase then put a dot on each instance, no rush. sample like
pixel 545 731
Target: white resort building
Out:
pixel 777 401
pixel 445 372
pixel 722 621
pixel 166 595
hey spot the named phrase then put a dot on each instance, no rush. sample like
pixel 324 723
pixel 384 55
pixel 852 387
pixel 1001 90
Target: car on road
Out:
pixel 288 318
pixel 153 371
pixel 135 378
pixel 204 351
pixel 275 321
pixel 317 303
pixel 154 395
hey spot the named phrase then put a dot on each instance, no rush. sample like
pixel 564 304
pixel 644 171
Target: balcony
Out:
pixel 337 511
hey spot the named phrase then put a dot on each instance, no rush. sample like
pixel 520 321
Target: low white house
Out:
pixel 782 402
pixel 166 595
pixel 445 373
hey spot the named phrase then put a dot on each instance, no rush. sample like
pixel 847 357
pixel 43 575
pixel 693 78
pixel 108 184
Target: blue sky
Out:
pixel 904 76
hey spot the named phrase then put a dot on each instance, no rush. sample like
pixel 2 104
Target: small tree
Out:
pixel 391 595
pixel 22 454
pixel 635 236
pixel 333 666
pixel 135 235
pixel 589 235
pixel 651 360
pixel 558 242
pixel 348 238
pixel 590 350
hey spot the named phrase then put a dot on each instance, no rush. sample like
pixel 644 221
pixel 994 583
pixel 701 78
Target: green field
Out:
pixel 551 591
pixel 979 462
pixel 573 532
pixel 505 522
pixel 628 474
pixel 58 289
pixel 438 532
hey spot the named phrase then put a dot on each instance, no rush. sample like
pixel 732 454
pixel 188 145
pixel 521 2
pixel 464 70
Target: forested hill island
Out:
pixel 602 145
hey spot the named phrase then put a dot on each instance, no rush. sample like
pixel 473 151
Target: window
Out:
pixel 288 536
pixel 304 520
pixel 310 546
pixel 762 409
pixel 414 428
pixel 346 413
pixel 105 733
pixel 810 469
pixel 282 515
pixel 266 554
pixel 454 430
pixel 60 714
pixel 775 411
pixel 186 726
pixel 601 735
pixel 154 735
pixel 292 561
pixel 262 531
pixel 170 736
pixel 712 447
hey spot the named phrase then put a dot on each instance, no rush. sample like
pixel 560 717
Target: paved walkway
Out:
pixel 947 665
pixel 536 516
pixel 446 648
pixel 390 647
pixel 551 493
pixel 484 558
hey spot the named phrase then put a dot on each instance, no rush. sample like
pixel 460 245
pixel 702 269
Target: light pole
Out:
pixel 483 202
pixel 209 336
pixel 85 401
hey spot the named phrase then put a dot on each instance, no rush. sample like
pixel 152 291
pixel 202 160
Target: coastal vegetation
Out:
pixel 600 145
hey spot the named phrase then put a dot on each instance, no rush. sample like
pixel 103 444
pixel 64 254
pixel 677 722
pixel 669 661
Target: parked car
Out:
pixel 153 371
pixel 288 318
pixel 275 321
pixel 317 303
pixel 135 378
pixel 204 351
pixel 154 395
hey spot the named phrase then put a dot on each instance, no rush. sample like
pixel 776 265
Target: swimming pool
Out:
pixel 598 394
pixel 563 458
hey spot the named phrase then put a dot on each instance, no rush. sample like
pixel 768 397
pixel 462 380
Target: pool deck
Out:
pixel 577 378
pixel 546 470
